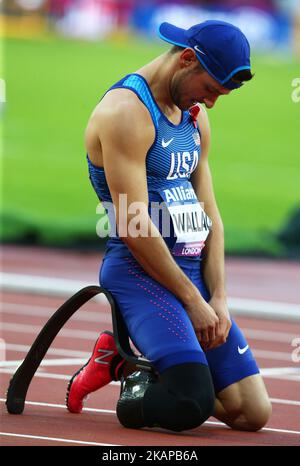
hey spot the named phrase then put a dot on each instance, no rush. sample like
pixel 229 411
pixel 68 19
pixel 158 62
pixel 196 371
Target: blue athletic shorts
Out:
pixel 160 328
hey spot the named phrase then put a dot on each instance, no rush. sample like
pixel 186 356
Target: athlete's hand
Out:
pixel 204 319
pixel 221 309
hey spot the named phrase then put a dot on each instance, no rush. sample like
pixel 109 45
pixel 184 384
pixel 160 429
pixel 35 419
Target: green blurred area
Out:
pixel 53 85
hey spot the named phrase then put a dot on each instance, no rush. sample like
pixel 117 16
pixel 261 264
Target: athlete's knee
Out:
pixel 249 416
pixel 183 400
pixel 257 418
pixel 190 412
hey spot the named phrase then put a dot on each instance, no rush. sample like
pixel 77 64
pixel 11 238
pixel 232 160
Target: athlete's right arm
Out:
pixel 126 133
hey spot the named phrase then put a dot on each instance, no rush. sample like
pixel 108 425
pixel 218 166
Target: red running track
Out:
pixel 49 423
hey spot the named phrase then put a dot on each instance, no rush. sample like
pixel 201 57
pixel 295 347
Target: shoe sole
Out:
pixel 106 332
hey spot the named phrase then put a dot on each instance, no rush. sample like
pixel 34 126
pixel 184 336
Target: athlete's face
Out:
pixel 191 84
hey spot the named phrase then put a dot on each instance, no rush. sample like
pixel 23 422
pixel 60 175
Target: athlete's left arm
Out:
pixel 213 261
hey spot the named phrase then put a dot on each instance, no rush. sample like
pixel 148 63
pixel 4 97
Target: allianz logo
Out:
pixel 179 193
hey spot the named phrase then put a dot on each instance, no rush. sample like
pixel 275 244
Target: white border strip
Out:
pixel 62 287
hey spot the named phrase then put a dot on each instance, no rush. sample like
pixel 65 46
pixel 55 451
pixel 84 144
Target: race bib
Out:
pixel 191 224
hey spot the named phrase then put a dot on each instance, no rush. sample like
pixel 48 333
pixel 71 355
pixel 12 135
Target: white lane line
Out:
pixel 263 335
pixel 264 429
pixel 278 374
pixel 264 309
pixel 272 355
pixel 285 402
pixel 46 375
pixel 42 375
pixel 48 362
pixel 65 287
pixel 48 286
pixel 264 354
pixel 106 411
pixel 283 373
pixel 51 351
pixel 35 329
pixel 49 375
pixel 42 311
pixel 61 362
pixel 53 405
pixel 269 335
pixel 288 377
pixel 55 439
pixel 280 370
pixel 109 411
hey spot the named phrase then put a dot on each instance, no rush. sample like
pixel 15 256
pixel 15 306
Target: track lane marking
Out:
pixel 46 375
pixel 39 403
pixel 55 439
pixel 260 354
pixel 269 335
pixel 254 334
pixel 41 311
pixel 60 406
pixel 48 362
pixel 285 402
pixel 51 286
pixel 106 411
pixel 265 429
pixel 84 315
pixel 35 329
pixel 263 354
pixel 282 373
pixel 50 351
pixel 43 375
pixel 50 375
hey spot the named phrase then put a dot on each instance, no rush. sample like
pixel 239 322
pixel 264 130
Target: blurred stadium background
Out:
pixel 59 56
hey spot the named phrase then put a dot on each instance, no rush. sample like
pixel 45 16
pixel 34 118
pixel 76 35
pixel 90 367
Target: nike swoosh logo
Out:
pixel 198 50
pixel 165 144
pixel 243 350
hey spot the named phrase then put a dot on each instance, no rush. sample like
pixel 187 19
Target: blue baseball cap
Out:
pixel 221 48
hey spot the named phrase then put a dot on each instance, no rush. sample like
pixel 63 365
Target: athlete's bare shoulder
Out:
pixel 121 122
pixel 123 109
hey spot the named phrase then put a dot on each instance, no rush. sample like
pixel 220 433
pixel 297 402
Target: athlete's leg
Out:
pixel 173 401
pixel 157 323
pixel 183 396
pixel 244 405
pixel 242 401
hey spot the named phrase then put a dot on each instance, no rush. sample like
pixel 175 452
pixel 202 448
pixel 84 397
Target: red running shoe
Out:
pixel 104 365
